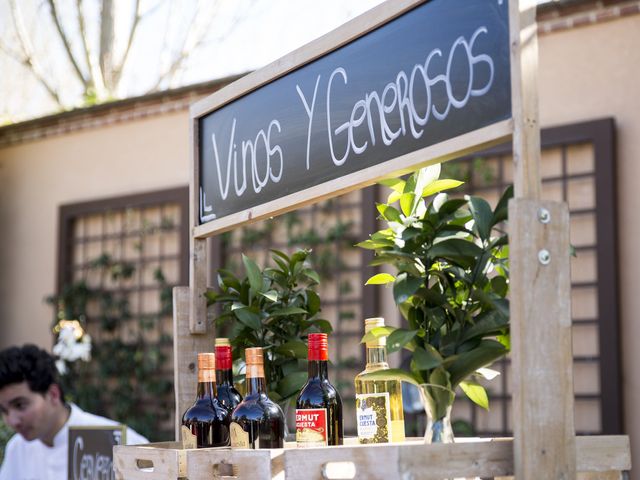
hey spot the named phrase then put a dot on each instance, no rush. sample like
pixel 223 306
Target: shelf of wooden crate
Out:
pixel 598 457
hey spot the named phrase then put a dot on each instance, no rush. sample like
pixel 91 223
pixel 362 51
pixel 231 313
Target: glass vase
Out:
pixel 438 430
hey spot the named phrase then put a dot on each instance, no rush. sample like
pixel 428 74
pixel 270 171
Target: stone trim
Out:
pixel 566 15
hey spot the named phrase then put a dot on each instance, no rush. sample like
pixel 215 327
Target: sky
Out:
pixel 265 31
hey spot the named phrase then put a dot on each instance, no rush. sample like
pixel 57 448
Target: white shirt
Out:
pixel 34 460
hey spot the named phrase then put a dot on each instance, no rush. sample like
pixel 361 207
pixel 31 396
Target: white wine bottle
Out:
pixel 380 418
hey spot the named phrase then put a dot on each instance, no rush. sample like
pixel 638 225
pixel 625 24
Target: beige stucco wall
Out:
pixel 594 72
pixel 37 177
pixel 585 73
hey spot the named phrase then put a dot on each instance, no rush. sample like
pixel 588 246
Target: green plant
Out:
pixel 274 308
pixel 450 284
pixel 5 434
pixel 126 377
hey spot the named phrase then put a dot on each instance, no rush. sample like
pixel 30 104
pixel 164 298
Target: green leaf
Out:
pixel 426 358
pixel 476 393
pixel 291 384
pixel 248 318
pixel 407 203
pixel 499 285
pixel 462 252
pixel 482 215
pixel 389 213
pixel 466 363
pixel 323 325
pixel 491 322
pixel 439 186
pixel 311 274
pixel 376 333
pixel 380 279
pixel 405 286
pixel 501 212
pixel 401 338
pixel 293 348
pixel 313 302
pixel 253 273
pixel 396 184
pixel 271 295
pixel 394 374
pixel 282 312
pixel 440 391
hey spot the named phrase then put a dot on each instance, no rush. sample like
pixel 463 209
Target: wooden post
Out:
pixel 197 246
pixel 542 360
pixel 185 348
pixel 542 373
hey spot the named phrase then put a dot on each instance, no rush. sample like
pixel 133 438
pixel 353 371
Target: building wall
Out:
pixel 587 72
pixel 38 176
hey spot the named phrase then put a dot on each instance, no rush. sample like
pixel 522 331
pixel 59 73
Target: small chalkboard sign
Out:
pixel 91 451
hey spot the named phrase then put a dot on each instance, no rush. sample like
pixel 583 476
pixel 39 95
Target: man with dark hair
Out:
pixel 32 403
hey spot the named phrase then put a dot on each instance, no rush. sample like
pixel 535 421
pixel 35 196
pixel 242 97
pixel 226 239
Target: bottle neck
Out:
pixel 224 377
pixel 318 369
pixel 376 355
pixel 206 389
pixel 256 385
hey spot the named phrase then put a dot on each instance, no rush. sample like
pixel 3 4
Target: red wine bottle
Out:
pixel 318 407
pixel 206 423
pixel 227 393
pixel 256 422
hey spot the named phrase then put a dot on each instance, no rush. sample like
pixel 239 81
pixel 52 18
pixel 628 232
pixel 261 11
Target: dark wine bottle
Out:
pixel 227 394
pixel 257 422
pixel 206 423
pixel 318 407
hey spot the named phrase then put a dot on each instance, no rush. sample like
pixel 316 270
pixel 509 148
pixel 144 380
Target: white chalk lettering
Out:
pixel 309 113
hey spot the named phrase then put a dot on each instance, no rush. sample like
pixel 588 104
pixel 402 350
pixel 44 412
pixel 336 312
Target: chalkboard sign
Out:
pixel 91 451
pixel 437 71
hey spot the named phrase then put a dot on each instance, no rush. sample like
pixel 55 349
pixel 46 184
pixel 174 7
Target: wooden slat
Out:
pixel 541 349
pixel 602 454
pixel 238 464
pixel 440 152
pixel 524 98
pixel 186 346
pixel 197 248
pixel 162 461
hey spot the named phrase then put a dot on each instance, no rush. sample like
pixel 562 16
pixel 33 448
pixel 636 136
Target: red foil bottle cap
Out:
pixel 223 357
pixel 318 346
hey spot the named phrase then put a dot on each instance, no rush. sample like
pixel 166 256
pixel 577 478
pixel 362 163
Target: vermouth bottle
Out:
pixel 206 422
pixel 227 393
pixel 256 422
pixel 380 418
pixel 318 406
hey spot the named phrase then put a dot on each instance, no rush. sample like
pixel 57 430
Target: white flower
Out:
pixel 61 366
pixel 69 349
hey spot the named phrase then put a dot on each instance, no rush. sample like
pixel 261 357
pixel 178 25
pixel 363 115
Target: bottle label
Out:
pixel 239 438
pixel 311 427
pixel 189 440
pixel 373 413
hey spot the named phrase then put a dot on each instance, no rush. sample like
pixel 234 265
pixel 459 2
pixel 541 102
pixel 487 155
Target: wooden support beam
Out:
pixel 186 346
pixel 541 349
pixel 524 98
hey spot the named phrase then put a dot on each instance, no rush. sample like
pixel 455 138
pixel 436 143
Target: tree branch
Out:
pixel 85 46
pixel 117 70
pixel 106 43
pixel 65 41
pixel 27 59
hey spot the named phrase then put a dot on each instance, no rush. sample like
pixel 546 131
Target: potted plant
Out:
pixel 450 284
pixel 274 308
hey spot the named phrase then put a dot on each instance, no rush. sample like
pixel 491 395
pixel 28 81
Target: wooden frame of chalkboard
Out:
pixel 544 444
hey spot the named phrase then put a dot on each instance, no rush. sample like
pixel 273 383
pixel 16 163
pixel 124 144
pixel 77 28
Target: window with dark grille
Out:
pixel 577 167
pixel 119 259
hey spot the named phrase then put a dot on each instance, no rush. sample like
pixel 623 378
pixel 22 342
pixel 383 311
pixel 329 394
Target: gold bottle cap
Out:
pixel 206 361
pixel 222 341
pixel 254 356
pixel 370 324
